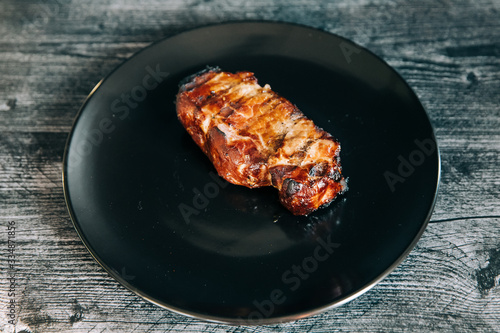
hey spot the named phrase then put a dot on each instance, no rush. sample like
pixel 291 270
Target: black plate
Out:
pixel 149 207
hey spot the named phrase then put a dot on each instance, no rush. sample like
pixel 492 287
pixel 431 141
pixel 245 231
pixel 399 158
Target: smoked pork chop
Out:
pixel 255 138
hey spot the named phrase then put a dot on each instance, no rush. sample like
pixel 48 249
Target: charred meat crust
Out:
pixel 193 80
pixel 255 138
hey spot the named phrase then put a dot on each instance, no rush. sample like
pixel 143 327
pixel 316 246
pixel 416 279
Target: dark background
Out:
pixel 52 53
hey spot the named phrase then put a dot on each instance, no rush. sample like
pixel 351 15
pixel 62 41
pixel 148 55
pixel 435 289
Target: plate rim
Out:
pixel 245 321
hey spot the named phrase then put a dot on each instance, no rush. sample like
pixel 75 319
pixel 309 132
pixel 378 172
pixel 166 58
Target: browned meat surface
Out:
pixel 254 138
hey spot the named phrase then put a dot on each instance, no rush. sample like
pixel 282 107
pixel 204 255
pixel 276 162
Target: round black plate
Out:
pixel 150 208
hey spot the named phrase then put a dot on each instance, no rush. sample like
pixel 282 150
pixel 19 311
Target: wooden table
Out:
pixel 52 52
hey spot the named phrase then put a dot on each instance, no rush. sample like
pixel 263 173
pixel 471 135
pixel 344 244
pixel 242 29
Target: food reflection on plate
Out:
pixel 264 226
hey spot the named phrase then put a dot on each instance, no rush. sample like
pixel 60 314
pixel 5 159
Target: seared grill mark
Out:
pixel 226 111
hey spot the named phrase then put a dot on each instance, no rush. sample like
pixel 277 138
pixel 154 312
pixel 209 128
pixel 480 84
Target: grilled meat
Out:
pixel 254 138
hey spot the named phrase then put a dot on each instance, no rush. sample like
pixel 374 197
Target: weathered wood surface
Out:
pixel 52 52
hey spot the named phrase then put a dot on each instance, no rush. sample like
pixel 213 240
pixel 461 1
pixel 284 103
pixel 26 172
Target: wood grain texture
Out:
pixel 52 52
